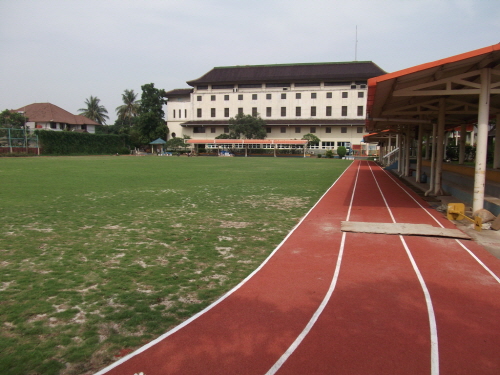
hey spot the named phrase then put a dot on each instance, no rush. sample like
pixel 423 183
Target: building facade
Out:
pixel 324 99
pixel 47 116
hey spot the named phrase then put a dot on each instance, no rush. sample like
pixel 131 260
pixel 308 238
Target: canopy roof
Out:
pixel 248 141
pixel 158 141
pixel 411 96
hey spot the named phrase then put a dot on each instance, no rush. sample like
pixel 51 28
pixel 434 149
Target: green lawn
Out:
pixel 100 254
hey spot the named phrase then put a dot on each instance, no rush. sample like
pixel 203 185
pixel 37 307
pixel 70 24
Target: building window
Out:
pixel 343 129
pixel 328 130
pixel 212 98
pixel 298 111
pixel 268 111
pixel 361 94
pixel 212 129
pixel 268 129
pixel 180 113
pixel 185 113
pixel 359 129
pixel 344 110
pixel 313 95
pixel 344 94
pixel 198 129
pixel 212 112
pixel 328 95
pixel 198 112
pixel 269 96
pixel 283 111
pixel 254 111
pixel 327 145
pixel 312 129
pixel 226 97
pixel 298 95
pixel 313 111
pixel 283 129
pixel 297 129
pixel 226 112
pixel 202 87
pixel 198 98
pixel 240 111
pixel 360 110
pixel 226 129
pixel 174 113
pixel 240 96
pixel 283 96
pixel 254 96
pixel 329 110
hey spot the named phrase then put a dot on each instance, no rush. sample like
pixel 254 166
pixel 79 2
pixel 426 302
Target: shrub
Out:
pixel 341 151
pixel 71 143
pixel 329 154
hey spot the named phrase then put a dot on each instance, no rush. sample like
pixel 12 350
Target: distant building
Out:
pixel 325 99
pixel 48 116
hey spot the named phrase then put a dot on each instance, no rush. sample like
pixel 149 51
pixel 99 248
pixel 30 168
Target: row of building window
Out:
pixel 283 129
pixel 298 111
pixel 324 145
pixel 298 95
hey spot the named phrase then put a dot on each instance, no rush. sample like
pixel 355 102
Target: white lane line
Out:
pixel 210 307
pixel 428 301
pixel 326 299
pixel 442 226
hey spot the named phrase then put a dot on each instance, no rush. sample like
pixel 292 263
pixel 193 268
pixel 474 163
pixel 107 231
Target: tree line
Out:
pixel 142 120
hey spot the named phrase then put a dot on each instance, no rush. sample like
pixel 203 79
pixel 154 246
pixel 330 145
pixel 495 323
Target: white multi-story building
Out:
pixel 325 99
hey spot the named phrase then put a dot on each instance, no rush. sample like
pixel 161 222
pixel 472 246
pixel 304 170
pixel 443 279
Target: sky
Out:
pixel 64 51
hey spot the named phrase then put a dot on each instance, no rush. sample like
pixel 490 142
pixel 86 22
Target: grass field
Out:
pixel 99 255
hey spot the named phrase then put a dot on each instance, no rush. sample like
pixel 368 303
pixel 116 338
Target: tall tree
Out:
pixel 94 110
pixel 129 108
pixel 248 126
pixel 150 122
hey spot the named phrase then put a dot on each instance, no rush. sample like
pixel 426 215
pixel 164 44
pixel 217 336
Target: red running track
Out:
pixel 347 303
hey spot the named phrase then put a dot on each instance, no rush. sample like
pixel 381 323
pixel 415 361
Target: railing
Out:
pixel 390 157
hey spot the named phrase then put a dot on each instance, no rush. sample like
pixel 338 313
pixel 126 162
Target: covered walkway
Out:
pixel 425 101
pixel 328 301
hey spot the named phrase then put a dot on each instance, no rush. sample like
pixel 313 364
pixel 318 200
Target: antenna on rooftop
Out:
pixel 356 46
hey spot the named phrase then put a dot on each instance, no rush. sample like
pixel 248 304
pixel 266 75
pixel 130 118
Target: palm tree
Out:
pixel 94 110
pixel 130 106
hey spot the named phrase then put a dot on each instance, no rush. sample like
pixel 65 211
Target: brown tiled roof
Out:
pixel 282 122
pixel 178 92
pixel 337 71
pixel 47 112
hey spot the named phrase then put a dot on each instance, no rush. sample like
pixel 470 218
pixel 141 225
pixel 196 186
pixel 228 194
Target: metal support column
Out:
pixel 399 140
pixel 496 154
pixel 420 141
pixel 439 148
pixel 463 135
pixel 482 140
pixel 407 151
pixel 433 160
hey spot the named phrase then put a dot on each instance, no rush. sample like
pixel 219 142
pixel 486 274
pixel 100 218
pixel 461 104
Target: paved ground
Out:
pixel 331 302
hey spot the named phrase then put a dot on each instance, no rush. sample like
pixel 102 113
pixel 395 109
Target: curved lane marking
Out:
pixel 442 226
pixel 210 307
pixel 428 301
pixel 326 299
